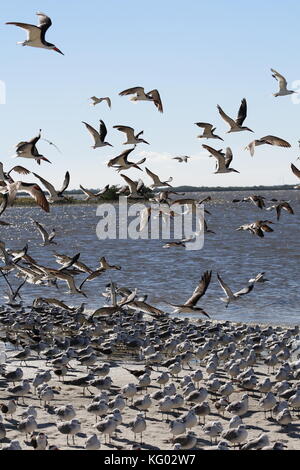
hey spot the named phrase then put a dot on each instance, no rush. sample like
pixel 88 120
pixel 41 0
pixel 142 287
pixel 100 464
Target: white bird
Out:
pixel 236 436
pixel 267 403
pixel 213 430
pixel 239 407
pixel 283 91
pixel 132 139
pixel 36 34
pixel 177 427
pixel 99 137
pixel 258 278
pixel 223 159
pixel 236 125
pixel 66 412
pixel 69 428
pixel 138 426
pixel 92 443
pixel 188 441
pixel 230 296
pixel 96 100
pixel 139 91
pixel 257 443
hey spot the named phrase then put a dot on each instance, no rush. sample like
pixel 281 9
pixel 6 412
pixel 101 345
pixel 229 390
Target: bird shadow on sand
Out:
pixel 130 442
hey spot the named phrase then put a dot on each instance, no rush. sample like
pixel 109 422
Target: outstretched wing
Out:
pixel 226 118
pixel 225 287
pixel 157 100
pixel 200 289
pixel 92 131
pixel 295 170
pixel 103 130
pixel 65 183
pixel 244 291
pixel 242 112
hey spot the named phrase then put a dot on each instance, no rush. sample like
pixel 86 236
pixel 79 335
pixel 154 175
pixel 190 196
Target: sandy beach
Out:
pixel 157 433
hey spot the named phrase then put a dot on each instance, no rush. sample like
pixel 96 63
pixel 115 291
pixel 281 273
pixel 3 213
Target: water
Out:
pixel 172 274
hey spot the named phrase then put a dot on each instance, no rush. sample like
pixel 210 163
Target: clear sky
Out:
pixel 197 54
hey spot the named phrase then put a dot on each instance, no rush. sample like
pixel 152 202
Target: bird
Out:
pixel 96 100
pixel 236 125
pixel 208 132
pixel 99 137
pixel 39 442
pixel 91 195
pixel 258 201
pixel 36 34
pixel 92 443
pixel 258 227
pixel 223 159
pixel 182 159
pixel 69 428
pixel 139 91
pixel 295 170
pixel 32 189
pixel 236 436
pixel 267 139
pixel 230 296
pixel 131 137
pixel 121 162
pixel 282 84
pixel 134 187
pixel 190 305
pixel 258 278
pixel 157 183
pixel 28 150
pixel 187 441
pixel 55 195
pixel 47 237
pixel 281 205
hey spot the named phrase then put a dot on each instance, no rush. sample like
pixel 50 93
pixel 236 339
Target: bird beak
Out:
pixel 45 159
pixel 57 50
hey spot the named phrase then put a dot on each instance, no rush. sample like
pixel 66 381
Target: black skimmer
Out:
pixel 278 207
pixel 54 194
pixel 295 170
pixel 190 305
pixel 99 137
pixel 131 138
pixel 121 162
pixel 283 91
pixel 223 159
pixel 268 139
pixel 182 159
pixel 29 150
pixel 31 188
pixel 236 125
pixel 134 187
pixel 157 183
pixel 6 175
pixel 258 278
pixel 91 195
pixel 230 296
pixel 139 91
pixel 96 100
pixel 257 200
pixel 208 132
pixel 258 227
pixel 36 34
pixel 47 237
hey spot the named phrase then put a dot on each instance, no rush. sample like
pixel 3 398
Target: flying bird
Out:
pixel 96 100
pixel 230 296
pixel 282 84
pixel 295 170
pixel 55 195
pixel 258 227
pixel 47 237
pixel 268 139
pixel 29 150
pixel 36 34
pixel 181 159
pixel 91 195
pixel 121 162
pixel 32 189
pixel 208 132
pixel 157 183
pixel 190 306
pixel 281 205
pixel 139 91
pixel 223 159
pixel 99 137
pixel 132 139
pixel 236 125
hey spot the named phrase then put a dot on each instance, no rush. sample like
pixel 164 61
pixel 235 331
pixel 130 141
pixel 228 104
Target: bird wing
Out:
pixel 86 191
pixel 225 287
pixel 65 183
pixel 242 114
pixel 273 140
pixel 154 177
pixel 200 289
pixel 41 229
pixel 108 100
pixel 131 184
pixel 217 154
pixel 120 158
pixel 280 78
pixel 103 131
pixel 129 131
pixel 92 131
pixel 19 169
pixel 295 170
pixel 33 32
pixel 156 98
pixel 50 188
pixel 228 157
pixel 145 215
pixel 226 118
pixel 244 291
pixel 35 191
pixel 4 202
pixel 285 205
pixel 205 125
pixel 130 91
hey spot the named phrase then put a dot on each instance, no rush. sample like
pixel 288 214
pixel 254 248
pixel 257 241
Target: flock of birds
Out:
pixel 54 333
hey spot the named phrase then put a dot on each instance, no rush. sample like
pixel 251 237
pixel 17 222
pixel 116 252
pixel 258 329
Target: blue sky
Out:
pixel 197 54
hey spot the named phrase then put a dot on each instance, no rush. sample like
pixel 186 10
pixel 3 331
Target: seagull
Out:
pixel 278 207
pixel 91 195
pixel 121 163
pixel 96 100
pixel 282 84
pixel 47 237
pixel 268 139
pixel 157 183
pixel 190 305
pixel 131 138
pixel 36 34
pixel 99 137
pixel 230 296
pixel 55 195
pixel 139 91
pixel 181 159
pixel 223 159
pixel 29 150
pixel 208 132
pixel 31 188
pixel 236 125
